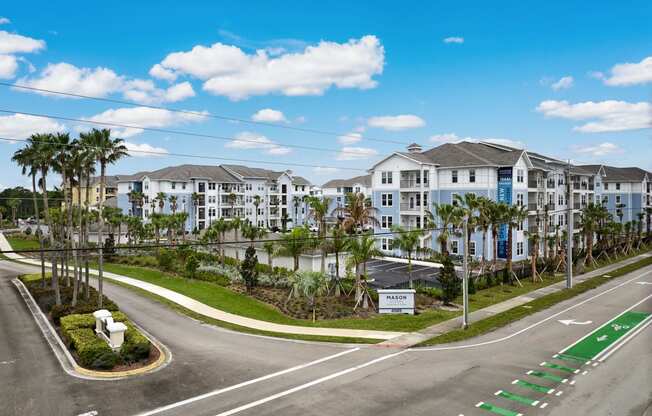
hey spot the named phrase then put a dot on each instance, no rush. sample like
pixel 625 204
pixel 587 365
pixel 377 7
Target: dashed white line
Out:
pixel 559 393
pixel 543 406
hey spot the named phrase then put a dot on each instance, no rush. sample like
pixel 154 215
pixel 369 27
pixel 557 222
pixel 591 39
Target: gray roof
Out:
pixel 337 183
pixel 254 173
pixel 473 154
pixel 614 174
pixel 300 180
pixel 111 180
pixel 185 172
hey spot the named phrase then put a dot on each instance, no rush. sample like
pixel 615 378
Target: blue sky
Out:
pixel 570 80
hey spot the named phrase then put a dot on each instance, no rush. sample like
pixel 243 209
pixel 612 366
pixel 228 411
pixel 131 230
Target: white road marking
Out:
pixel 534 403
pixel 585 372
pixel 515 381
pixel 595 364
pixel 534 325
pixel 244 384
pixel 479 404
pixel 564 381
pixel 559 393
pixel 543 406
pixel 572 382
pixel 498 392
pixel 626 339
pixel 91 413
pixel 307 385
pixel 7 362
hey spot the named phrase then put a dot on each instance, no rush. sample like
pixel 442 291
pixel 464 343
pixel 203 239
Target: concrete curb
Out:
pixel 66 359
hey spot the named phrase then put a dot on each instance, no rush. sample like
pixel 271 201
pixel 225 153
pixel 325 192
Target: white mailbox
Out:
pixel 396 301
pixel 112 332
pixel 100 317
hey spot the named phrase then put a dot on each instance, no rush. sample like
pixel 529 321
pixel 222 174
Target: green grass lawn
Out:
pixel 22 244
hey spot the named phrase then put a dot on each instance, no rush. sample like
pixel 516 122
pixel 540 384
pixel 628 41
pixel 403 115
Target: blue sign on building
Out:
pixel 504 195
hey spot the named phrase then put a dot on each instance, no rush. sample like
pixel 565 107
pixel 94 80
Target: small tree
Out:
pixel 450 283
pixel 192 264
pixel 248 268
pixel 310 285
pixel 270 249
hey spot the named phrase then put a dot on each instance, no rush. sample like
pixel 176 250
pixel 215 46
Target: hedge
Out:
pixel 76 321
pixel 136 347
pixel 93 351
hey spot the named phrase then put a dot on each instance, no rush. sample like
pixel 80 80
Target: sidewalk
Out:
pixel 211 312
pixel 414 338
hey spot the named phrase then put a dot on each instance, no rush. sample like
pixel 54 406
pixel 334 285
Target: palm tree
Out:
pixel 27 159
pixel 161 197
pixel 468 204
pixel 357 213
pixel 285 218
pixel 337 244
pixel 590 218
pixel 449 219
pixel 319 211
pixel 296 200
pixel 106 151
pixel 196 198
pixel 270 249
pixel 257 201
pixel 484 222
pixel 252 232
pixel 13 204
pixel 221 226
pixel 497 216
pixel 408 242
pixel 295 243
pixel 310 285
pixel 515 215
pixel 362 249
pixel 534 239
pixel 173 203
pixel 235 225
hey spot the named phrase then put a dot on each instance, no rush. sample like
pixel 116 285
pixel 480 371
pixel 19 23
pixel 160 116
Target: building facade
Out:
pixel 264 197
pixel 336 190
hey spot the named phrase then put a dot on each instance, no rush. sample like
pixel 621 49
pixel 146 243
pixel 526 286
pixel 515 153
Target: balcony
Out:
pixel 411 183
pixel 406 206
pixel 534 207
pixel 533 229
pixel 576 205
pixel 532 183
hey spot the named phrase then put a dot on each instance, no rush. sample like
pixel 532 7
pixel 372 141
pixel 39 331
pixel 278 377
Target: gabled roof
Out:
pixel 629 174
pixel 254 173
pixel 473 154
pixel 364 180
pixel 184 173
pixel 300 180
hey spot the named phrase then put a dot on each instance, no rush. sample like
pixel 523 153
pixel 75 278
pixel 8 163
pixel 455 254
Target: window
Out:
pixel 387 244
pixel 201 187
pixel 606 186
pixel 146 213
pixel 386 200
pixel 472 175
pixel 472 248
pixel 386 178
pixel 183 186
pixel 454 176
pixel 560 199
pixel 357 189
pixel 339 190
pixel 519 248
pixel 519 199
pixel 617 199
pixel 617 186
pixel 519 226
pixel 386 221
pixel 455 247
pixel 174 185
pixel 453 200
pixel 211 186
pixel 519 175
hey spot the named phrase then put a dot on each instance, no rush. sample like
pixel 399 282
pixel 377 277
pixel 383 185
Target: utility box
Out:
pixel 396 301
pixel 112 332
pixel 100 317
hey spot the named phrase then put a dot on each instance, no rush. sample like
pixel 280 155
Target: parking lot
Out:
pixel 392 274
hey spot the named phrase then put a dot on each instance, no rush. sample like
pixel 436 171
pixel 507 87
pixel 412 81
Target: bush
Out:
pixel 28 231
pixel 165 259
pixel 90 348
pixel 216 278
pixel 76 321
pixel 192 264
pixel 433 292
pixel 471 285
pixel 248 268
pixel 450 283
pixel 105 361
pixel 136 346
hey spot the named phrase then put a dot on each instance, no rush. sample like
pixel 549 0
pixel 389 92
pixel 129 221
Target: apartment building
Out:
pixel 337 189
pixel 79 192
pixel 207 193
pixel 625 192
pixel 405 186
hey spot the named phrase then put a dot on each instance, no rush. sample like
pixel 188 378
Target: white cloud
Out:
pixel 353 153
pixel 269 115
pixel 610 115
pixel 8 66
pixel 445 138
pixel 563 83
pixel 145 92
pixel 229 71
pixel 454 39
pixel 396 123
pixel 350 138
pixel 20 126
pixel 324 170
pixel 142 117
pixel 597 150
pixel 630 73
pixel 157 71
pixel 13 43
pixel 145 150
pixel 4 21
pixel 300 119
pixel 248 140
pixel 65 77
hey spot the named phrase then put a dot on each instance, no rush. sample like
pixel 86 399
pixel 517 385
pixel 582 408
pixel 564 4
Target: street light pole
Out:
pixel 569 241
pixel 465 276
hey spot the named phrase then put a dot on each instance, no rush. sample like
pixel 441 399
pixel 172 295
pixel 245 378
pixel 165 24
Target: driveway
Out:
pixel 388 274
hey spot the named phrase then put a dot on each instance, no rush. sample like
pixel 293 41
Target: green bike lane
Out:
pixel 571 361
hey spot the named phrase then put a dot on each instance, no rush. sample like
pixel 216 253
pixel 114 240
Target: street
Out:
pixel 219 372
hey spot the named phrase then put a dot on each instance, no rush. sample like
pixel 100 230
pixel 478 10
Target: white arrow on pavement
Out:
pixel 573 322
pixel 644 283
pixel 602 338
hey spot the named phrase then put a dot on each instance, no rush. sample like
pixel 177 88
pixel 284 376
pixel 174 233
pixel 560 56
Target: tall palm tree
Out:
pixel 257 201
pixel 195 198
pixel 337 244
pixel 533 239
pixel 235 225
pixel 173 203
pixel 515 215
pixel 270 249
pixel 362 249
pixel 469 203
pixel 357 213
pixel 106 151
pixel 408 242
pixel 161 197
pixel 221 226
pixel 27 159
pixel 86 144
pixel 252 232
pixel 484 222
pixel 319 211
pixel 497 216
pixel 295 243
pixel 449 218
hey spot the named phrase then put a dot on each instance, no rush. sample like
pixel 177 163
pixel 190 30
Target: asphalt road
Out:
pixel 389 274
pixel 449 380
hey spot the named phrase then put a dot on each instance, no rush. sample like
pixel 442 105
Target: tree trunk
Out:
pixel 510 241
pixel 494 242
pixel 87 227
pixel 100 260
pixel 38 230
pixel 53 260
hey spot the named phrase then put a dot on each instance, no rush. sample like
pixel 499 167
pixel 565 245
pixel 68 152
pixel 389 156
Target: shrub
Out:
pixel 28 231
pixel 212 277
pixel 136 346
pixel 76 321
pixel 165 259
pixel 105 361
pixel 90 348
pixel 192 264
pixel 471 285
pixel 433 292
pixel 248 268
pixel 450 283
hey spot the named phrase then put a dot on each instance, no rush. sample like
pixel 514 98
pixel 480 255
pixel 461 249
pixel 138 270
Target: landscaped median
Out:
pixel 507 317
